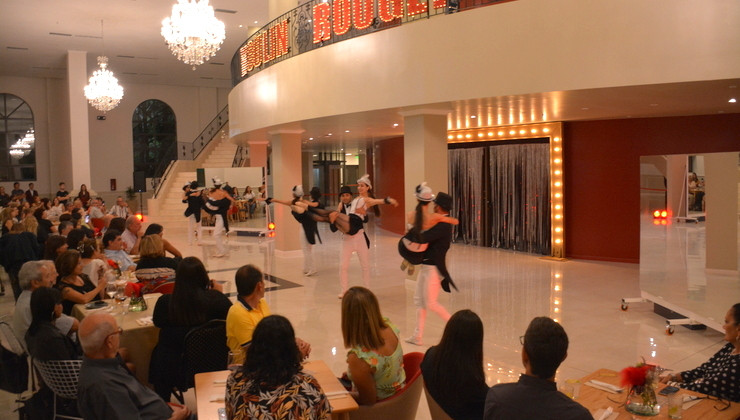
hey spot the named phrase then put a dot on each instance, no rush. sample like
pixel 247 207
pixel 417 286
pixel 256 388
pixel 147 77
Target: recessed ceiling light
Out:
pixel 311 138
pixel 315 155
pixel 255 21
pixel 732 100
pixel 241 26
pixel 348 154
pixel 341 150
pixel 395 125
pixel 472 117
pixel 346 131
pixel 329 134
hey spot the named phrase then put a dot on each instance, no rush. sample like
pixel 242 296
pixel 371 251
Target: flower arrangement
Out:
pixel 114 265
pixel 641 379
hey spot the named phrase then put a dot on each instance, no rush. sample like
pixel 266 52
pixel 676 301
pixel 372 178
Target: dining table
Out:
pixel 210 391
pixel 139 333
pixel 597 400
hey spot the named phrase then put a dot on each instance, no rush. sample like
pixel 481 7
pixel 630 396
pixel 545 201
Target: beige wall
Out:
pixel 512 48
pixel 111 148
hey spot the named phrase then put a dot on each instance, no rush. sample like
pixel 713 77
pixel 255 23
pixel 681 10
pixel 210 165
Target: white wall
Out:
pixel 512 48
pixel 111 146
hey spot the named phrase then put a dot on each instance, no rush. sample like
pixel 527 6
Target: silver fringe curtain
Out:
pixel 520 193
pixel 501 195
pixel 466 188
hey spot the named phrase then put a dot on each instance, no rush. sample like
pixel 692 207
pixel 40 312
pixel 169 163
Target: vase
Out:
pixel 641 400
pixel 137 304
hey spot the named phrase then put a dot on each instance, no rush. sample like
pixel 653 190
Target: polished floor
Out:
pixel 507 289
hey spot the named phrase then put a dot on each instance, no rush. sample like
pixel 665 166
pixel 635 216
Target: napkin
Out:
pixel 604 386
pixel 145 321
pixel 690 401
pixel 605 414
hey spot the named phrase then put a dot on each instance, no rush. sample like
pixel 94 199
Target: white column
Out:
pixel 78 120
pixel 308 181
pixel 424 151
pixel 721 184
pixel 286 172
pixel 257 153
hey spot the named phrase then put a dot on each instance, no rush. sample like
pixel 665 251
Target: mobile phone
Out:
pixel 87 218
pixel 668 390
pixel 345 383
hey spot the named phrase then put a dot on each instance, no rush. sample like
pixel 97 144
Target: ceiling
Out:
pixel 31 45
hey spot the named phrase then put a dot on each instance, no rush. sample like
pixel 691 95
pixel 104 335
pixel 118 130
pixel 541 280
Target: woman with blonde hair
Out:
pixel 8 217
pixel 152 254
pixel 375 358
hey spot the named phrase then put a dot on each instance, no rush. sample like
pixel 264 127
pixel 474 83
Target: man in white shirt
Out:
pixel 132 235
pixel 120 209
pixel 94 211
pixel 34 275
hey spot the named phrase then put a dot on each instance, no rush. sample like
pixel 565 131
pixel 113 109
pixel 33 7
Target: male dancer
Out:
pixel 429 281
pixel 357 242
pixel 194 200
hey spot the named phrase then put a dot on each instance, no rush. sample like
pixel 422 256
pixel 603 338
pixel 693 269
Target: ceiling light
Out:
pixel 193 33
pixel 732 100
pixel 103 91
pixel 346 131
pixel 310 138
pixel 255 21
pixel 395 125
pixel 348 154
pixel 473 117
pixel 329 134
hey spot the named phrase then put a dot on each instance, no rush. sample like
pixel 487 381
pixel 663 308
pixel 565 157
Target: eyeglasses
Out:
pixel 119 330
pixel 723 403
pixel 521 339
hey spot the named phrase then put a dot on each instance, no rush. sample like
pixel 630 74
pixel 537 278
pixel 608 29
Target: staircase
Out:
pixel 171 209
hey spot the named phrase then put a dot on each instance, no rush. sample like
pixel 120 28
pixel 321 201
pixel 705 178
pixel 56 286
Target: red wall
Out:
pixel 602 170
pixel 386 168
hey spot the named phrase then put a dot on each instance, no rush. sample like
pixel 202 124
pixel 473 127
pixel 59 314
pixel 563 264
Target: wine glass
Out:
pixel 111 290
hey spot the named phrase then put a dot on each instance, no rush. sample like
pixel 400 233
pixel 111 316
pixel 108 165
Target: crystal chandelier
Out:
pixel 193 33
pixel 103 91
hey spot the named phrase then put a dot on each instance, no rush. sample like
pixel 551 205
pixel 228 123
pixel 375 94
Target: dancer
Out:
pixel 412 245
pixel 194 199
pixel 428 283
pixel 299 209
pixel 218 204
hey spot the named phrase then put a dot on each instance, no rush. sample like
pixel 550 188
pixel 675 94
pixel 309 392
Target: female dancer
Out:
pixel 412 245
pixel 299 209
pixel 194 199
pixel 218 204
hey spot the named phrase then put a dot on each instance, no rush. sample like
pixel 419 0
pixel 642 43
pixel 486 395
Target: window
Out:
pixel 17 145
pixel 155 137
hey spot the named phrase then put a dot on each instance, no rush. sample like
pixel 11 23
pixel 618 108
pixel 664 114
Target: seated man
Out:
pixel 120 209
pixel 106 389
pixel 34 275
pixel 113 245
pixel 132 235
pixel 535 396
pixel 249 309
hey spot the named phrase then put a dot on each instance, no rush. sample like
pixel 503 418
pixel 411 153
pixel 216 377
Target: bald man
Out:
pixel 106 389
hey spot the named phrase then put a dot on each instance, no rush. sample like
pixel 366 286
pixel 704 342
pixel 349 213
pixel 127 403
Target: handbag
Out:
pixel 13 362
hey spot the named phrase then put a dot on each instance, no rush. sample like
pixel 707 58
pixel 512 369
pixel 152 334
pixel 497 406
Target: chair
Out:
pixel 437 412
pixel 61 376
pixel 165 288
pixel 98 224
pixel 206 349
pixel 404 403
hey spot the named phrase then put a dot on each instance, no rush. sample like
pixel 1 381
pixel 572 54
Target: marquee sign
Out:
pixel 321 22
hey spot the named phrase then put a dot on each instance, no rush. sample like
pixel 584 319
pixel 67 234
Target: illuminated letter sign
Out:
pixel 439 4
pixel 321 24
pixel 414 7
pixel 342 16
pixel 362 13
pixel 264 47
pixel 390 9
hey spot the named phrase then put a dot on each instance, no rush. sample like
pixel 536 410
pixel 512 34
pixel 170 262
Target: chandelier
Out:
pixel 193 33
pixel 103 91
pixel 23 145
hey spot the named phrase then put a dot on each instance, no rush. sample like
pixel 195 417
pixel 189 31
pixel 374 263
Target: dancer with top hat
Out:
pixel 430 281
pixel 218 205
pixel 194 199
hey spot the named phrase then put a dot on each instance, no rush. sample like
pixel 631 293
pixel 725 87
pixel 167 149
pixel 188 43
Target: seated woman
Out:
pixel 45 228
pixel 154 268
pixel 375 358
pixel 453 369
pixel 44 340
pixel 94 263
pixel 720 375
pixel 157 229
pixel 76 287
pixel 193 302
pixel 55 246
pixel 271 384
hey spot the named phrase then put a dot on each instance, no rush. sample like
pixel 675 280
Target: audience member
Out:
pixel 4 197
pixel 45 228
pixel 34 275
pixel 453 369
pixel 120 209
pixel 56 209
pixel 76 287
pixel 132 235
pixel 74 237
pixel 271 383
pixel 94 263
pixel 31 194
pixel 84 195
pixel 192 303
pixel 117 223
pixel 152 254
pixel 249 309
pixel 375 358
pixel 535 396
pixel 720 375
pixel 55 246
pixel 107 390
pixel 65 226
pixel 44 341
pixel 8 217
pixel 94 210
pixel 17 193
pixel 62 194
pixel 114 250
pixel 157 229
pixel 16 248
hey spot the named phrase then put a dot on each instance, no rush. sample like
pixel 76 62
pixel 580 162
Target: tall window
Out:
pixel 17 144
pixel 155 137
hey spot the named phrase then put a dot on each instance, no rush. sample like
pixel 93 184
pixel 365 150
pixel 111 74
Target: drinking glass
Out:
pixel 111 290
pixel 675 406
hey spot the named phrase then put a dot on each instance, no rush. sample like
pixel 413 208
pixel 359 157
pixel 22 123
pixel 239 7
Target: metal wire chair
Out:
pixel 61 376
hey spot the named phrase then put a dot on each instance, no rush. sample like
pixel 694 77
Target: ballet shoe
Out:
pixel 404 265
pixel 414 340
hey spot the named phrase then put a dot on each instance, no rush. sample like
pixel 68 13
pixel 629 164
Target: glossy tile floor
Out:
pixel 507 289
